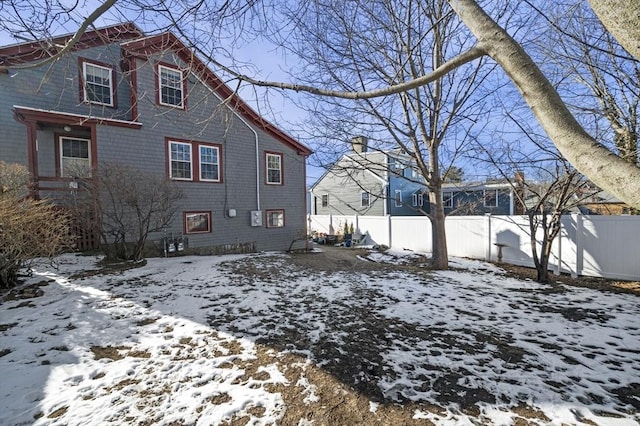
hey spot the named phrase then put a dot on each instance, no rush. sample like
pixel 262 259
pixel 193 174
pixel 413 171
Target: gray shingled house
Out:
pixel 119 96
pixel 380 183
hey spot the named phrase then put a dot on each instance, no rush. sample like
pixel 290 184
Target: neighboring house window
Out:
pixel 417 200
pixel 98 84
pixel 197 222
pixel 447 199
pixel 180 159
pixel 491 198
pixel 275 218
pixel 364 199
pixel 209 163
pixel 325 200
pixel 170 86
pixel 274 168
pixel 75 157
pixel 398 198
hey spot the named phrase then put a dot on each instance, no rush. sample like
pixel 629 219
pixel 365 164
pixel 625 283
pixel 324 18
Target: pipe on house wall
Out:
pixel 257 145
pixel 254 133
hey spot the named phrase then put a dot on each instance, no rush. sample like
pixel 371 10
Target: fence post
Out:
pixel 579 254
pixel 389 231
pixel 559 250
pixel 487 227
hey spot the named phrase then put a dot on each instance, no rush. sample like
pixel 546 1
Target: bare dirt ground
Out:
pixel 347 381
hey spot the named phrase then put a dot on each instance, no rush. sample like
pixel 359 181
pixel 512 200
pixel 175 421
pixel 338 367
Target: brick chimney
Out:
pixel 359 144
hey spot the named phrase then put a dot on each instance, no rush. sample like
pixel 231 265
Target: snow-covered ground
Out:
pixel 195 340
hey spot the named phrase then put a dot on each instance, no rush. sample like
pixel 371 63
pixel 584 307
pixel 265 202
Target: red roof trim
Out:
pixel 58 117
pixel 42 49
pixel 153 44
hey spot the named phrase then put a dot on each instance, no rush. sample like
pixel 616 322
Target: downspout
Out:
pixel 255 134
pixel 386 187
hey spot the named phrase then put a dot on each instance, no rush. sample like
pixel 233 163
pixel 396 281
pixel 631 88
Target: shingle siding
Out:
pixel 204 120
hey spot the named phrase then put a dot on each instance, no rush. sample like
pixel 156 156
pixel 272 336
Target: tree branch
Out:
pixel 456 62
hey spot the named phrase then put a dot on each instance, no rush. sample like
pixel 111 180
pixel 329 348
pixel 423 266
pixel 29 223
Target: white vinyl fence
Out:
pixel 598 246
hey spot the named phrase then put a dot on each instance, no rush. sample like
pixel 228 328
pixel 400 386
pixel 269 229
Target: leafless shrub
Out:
pixel 28 228
pixel 124 205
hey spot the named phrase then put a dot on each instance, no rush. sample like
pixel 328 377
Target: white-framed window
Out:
pixel 398 198
pixel 98 84
pixel 447 199
pixel 491 198
pixel 274 168
pixel 275 218
pixel 209 163
pixel 365 199
pixel 75 157
pixel 417 199
pixel 180 161
pixel 325 200
pixel 170 86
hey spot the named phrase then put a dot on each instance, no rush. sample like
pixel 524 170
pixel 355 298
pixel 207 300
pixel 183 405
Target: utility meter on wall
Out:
pixel 256 218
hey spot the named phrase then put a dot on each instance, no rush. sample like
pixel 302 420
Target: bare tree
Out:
pixel 367 45
pixel 585 153
pixel 124 205
pixel 580 49
pixel 552 187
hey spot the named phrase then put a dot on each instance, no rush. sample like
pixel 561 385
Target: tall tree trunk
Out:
pixel 439 255
pixel 605 169
pixel 622 19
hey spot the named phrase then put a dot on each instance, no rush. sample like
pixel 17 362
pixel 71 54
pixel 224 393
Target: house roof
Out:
pixel 135 43
pixel 37 50
pixel 474 186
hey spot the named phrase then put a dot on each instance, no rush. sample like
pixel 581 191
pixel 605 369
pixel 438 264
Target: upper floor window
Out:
pixel 274 168
pixel 417 199
pixel 181 166
pixel 398 198
pixel 447 199
pixel 75 157
pixel 491 198
pixel 171 86
pixel 365 199
pixel 325 200
pixel 98 84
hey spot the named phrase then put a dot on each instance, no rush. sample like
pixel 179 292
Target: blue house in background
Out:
pixel 381 183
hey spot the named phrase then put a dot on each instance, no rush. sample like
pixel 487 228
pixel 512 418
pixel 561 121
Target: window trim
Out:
pixel 449 203
pixel 218 148
pixel 83 82
pixel 206 213
pixel 325 200
pixel 170 67
pixel 495 191
pixel 195 160
pixel 362 199
pixel 271 211
pixel 59 153
pixel 170 160
pixel 397 198
pixel 267 154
